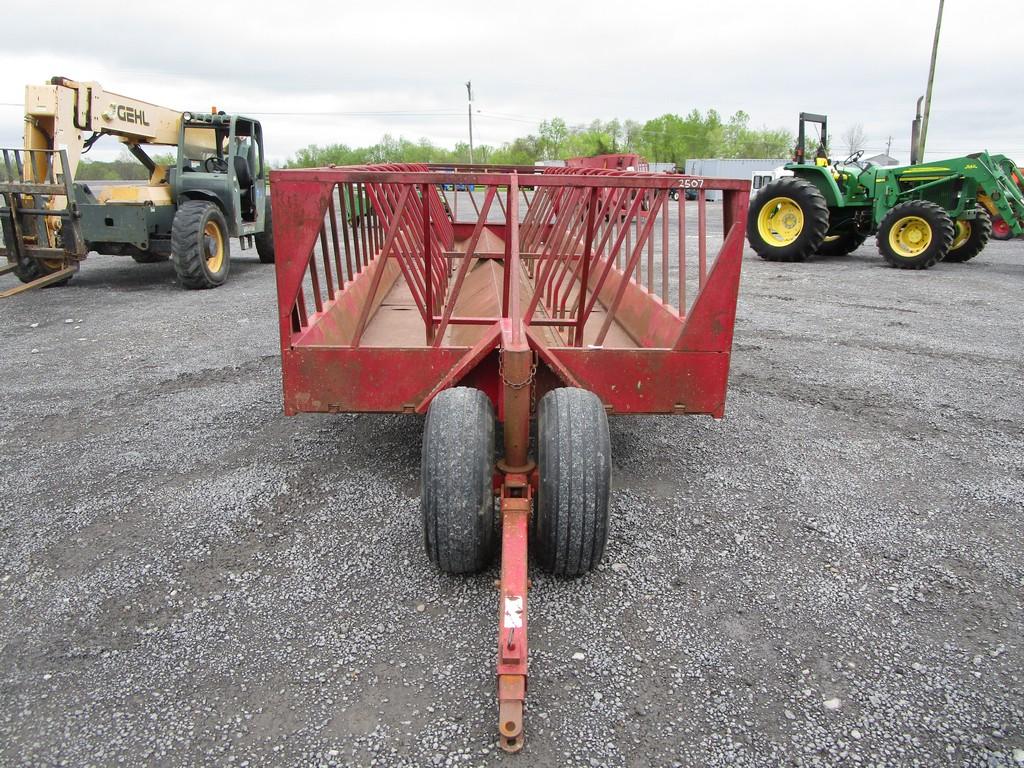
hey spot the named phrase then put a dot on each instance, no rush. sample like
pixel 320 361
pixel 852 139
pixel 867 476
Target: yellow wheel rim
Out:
pixel 830 238
pixel 963 234
pixel 910 236
pixel 780 221
pixel 213 245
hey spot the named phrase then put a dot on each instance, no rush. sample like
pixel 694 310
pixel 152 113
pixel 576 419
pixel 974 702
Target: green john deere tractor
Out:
pixel 919 214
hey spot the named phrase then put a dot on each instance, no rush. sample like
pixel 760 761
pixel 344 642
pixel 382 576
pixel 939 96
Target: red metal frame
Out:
pixel 579 295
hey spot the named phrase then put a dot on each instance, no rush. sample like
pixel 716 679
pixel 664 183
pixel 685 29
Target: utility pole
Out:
pixel 931 81
pixel 888 147
pixel 469 93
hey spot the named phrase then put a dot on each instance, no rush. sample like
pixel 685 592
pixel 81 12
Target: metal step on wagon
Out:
pixel 560 296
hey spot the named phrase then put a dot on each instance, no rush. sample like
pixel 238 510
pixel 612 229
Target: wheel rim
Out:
pixel 213 245
pixel 963 234
pixel 780 221
pixel 910 236
pixel 1000 228
pixel 830 238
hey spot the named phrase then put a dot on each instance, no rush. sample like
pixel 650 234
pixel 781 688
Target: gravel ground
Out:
pixel 830 575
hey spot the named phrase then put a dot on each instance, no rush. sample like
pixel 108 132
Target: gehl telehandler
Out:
pixel 920 214
pixel 215 190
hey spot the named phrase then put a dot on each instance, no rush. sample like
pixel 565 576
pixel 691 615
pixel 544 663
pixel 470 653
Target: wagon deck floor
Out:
pixel 398 323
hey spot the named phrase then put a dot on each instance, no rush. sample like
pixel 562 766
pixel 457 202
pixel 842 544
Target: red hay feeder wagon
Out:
pixel 561 298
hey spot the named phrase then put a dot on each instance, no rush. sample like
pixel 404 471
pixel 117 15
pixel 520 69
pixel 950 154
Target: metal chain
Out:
pixel 521 384
pixel 516 385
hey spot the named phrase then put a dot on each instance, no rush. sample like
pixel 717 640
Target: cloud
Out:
pixel 306 69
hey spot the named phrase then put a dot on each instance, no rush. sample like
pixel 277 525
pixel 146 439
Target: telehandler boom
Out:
pixel 215 190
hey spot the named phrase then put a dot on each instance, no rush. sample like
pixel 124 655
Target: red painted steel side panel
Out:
pixel 339 379
pixel 651 381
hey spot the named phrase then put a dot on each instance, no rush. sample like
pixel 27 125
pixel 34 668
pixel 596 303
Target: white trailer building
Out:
pixel 730 168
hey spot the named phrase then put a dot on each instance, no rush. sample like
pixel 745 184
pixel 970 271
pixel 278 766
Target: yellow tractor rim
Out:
pixel 213 243
pixel 910 236
pixel 830 238
pixel 963 234
pixel 780 221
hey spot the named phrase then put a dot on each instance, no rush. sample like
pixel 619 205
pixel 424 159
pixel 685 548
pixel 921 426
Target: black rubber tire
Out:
pixel 942 231
pixel 977 239
pixel 460 524
pixel 265 239
pixel 574 459
pixel 188 245
pixel 29 269
pixel 149 257
pixel 845 243
pixel 815 212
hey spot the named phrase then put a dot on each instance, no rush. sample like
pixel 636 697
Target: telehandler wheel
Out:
pixel 199 245
pixel 265 239
pixel 842 243
pixel 787 220
pixel 570 527
pixel 915 235
pixel 970 239
pixel 460 524
pixel 148 257
pixel 28 269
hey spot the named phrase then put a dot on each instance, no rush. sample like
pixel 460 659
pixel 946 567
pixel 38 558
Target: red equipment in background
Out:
pixel 559 296
pixel 620 162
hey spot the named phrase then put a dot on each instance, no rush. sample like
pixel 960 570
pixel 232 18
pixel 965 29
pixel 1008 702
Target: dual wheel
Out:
pixel 461 525
pixel 789 221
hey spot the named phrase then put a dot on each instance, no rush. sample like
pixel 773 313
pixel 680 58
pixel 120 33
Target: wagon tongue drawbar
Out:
pixel 560 295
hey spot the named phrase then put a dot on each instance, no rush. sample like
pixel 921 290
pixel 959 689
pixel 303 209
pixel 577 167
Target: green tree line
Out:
pixel 670 138
pixel 667 139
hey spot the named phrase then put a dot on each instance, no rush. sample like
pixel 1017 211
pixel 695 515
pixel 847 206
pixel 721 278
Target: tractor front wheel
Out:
pixel 787 220
pixel 970 239
pixel 570 527
pixel 916 234
pixel 460 525
pixel 199 245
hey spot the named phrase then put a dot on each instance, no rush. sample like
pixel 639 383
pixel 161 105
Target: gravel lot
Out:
pixel 831 575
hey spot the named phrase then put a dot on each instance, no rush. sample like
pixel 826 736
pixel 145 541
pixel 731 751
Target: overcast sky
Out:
pixel 360 69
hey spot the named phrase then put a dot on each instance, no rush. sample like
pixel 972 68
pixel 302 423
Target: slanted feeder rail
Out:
pixel 553 296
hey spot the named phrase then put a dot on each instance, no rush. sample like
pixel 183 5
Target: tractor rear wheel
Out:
pixel 265 239
pixel 915 235
pixel 842 243
pixel 970 239
pixel 570 527
pixel 199 245
pixel 787 220
pixel 460 525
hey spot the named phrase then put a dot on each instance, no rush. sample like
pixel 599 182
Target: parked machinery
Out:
pixel 920 214
pixel 215 190
pixel 558 301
